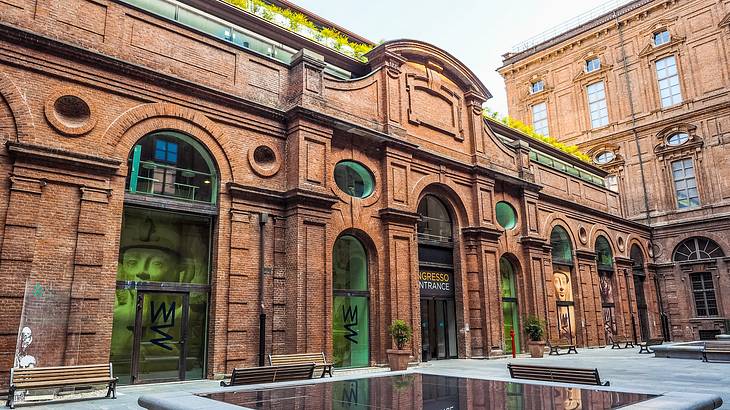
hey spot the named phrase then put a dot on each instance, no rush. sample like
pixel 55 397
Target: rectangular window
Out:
pixel 593 65
pixel 166 151
pixel 597 104
pixel 685 183
pixel 661 37
pixel 537 86
pixel 704 293
pixel 666 73
pixel 539 118
pixel 612 183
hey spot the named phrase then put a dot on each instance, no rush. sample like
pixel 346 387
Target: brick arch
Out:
pixel 554 220
pixel 447 194
pixel 635 239
pixel 709 235
pixel 596 231
pixel 139 121
pixel 22 115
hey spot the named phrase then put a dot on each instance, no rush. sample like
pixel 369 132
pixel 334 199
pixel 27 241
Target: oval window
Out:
pixel 678 139
pixel 506 215
pixel 354 179
pixel 604 157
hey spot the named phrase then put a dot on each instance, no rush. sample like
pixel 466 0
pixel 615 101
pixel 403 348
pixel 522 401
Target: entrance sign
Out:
pixel 435 283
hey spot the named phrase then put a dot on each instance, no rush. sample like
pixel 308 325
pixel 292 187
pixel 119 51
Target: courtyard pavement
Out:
pixel 625 369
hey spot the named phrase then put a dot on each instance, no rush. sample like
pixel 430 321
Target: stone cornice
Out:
pixel 482 232
pixel 63 158
pixel 623 262
pixel 291 198
pixel 535 242
pixel 585 255
pixel 398 216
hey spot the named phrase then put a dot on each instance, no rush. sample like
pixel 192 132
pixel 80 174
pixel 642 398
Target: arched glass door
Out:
pixel 350 315
pixel 509 305
pixel 562 255
pixel 639 275
pixel 604 260
pixel 161 305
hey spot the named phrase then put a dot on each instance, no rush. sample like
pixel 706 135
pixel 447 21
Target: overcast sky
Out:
pixel 477 32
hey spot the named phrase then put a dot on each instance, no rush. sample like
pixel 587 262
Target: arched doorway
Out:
pixel 350 313
pixel 562 255
pixel 436 279
pixel 604 261
pixel 639 275
pixel 510 310
pixel 161 306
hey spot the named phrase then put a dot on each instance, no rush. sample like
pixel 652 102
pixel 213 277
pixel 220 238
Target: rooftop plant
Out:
pixel 299 23
pixel 530 132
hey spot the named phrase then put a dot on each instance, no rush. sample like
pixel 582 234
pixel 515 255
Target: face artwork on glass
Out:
pixel 568 399
pixel 564 296
pixel 166 247
pixel 609 322
pixel 606 288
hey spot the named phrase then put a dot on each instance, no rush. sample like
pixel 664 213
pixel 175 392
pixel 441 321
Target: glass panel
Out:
pixel 162 334
pixel 451 318
pixel 349 265
pixel 125 308
pixel 435 223
pixel 196 336
pixel 604 255
pixel 354 179
pixel 506 215
pixel 350 331
pixel 158 246
pixel 174 165
pixel 539 118
pixel 440 329
pixel 562 250
pixel 204 24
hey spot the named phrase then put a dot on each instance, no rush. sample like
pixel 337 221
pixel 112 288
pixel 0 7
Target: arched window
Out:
pixel 637 257
pixel 604 255
pixel 435 223
pixel 562 251
pixel 350 316
pixel 697 248
pixel 171 164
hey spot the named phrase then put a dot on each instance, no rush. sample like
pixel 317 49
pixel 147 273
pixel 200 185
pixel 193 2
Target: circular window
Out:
pixel 678 139
pixel 69 113
pixel 265 160
pixel 354 179
pixel 506 215
pixel 604 157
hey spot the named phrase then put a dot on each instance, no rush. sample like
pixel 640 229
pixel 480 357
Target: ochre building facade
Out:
pixel 645 90
pixel 179 204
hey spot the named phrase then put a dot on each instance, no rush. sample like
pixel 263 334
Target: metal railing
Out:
pixel 574 22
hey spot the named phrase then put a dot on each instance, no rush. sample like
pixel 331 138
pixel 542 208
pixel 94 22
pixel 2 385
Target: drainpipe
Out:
pixel 662 315
pixel 263 218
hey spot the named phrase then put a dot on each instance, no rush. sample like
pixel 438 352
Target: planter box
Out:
pixel 398 359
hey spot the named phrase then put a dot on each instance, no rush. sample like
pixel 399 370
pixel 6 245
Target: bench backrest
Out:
pixel 270 374
pixel 60 373
pixel 299 358
pixel 655 342
pixel 555 374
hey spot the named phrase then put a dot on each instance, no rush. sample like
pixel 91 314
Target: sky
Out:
pixel 477 32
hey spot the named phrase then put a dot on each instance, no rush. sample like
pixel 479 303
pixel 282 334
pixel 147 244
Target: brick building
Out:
pixel 645 90
pixel 174 182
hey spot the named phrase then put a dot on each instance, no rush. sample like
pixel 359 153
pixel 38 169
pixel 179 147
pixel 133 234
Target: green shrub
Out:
pixel 534 327
pixel 401 333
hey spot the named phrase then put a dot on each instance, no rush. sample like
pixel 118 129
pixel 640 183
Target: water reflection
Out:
pixel 428 392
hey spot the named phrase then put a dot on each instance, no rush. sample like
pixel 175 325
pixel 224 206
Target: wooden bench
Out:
pixel 714 348
pixel 555 347
pixel 319 360
pixel 617 341
pixel 645 346
pixel 556 374
pixel 269 374
pixel 62 376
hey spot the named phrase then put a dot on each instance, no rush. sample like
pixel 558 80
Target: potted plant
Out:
pixel 401 334
pixel 535 328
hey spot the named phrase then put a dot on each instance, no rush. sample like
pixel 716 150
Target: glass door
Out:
pixel 438 329
pixel 160 337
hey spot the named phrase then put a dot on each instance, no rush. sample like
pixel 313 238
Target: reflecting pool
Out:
pixel 423 391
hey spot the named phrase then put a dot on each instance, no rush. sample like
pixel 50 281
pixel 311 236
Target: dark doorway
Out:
pixel 641 306
pixel 438 329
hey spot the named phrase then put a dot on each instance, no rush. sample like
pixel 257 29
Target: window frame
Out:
pixel 675 99
pixel 684 141
pixel 600 121
pixel 544 119
pixel 686 188
pixel 592 65
pixel 604 153
pixel 534 83
pixel 704 279
pixel 656 35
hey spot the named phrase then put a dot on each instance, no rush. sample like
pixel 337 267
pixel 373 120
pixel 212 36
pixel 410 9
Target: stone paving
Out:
pixel 625 369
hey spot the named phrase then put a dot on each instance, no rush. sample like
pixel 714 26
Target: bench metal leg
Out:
pixel 572 349
pixel 11 398
pixel 704 357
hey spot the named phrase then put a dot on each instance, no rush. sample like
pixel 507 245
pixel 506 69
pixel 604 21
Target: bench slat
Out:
pixel 555 374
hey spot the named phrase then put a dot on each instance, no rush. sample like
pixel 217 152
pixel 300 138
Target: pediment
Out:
pixel 651 49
